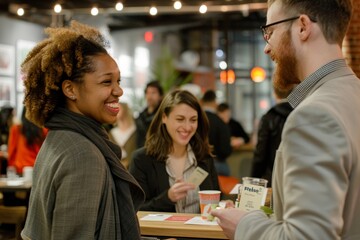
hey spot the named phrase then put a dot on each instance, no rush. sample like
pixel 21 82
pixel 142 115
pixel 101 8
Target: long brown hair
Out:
pixel 158 141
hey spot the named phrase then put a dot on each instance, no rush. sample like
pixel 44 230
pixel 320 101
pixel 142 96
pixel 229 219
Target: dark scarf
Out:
pixel 129 195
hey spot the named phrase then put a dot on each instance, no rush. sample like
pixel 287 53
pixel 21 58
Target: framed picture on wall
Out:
pixel 7 91
pixel 7 60
pixel 23 47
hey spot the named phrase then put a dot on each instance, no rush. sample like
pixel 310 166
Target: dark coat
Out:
pixel 237 130
pixel 269 138
pixel 154 180
pixel 219 136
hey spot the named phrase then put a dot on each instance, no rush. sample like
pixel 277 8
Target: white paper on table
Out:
pixel 200 221
pixel 15 182
pixel 156 217
pixel 235 190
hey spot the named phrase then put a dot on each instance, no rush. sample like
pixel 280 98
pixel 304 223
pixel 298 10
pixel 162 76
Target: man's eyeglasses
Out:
pixel 267 34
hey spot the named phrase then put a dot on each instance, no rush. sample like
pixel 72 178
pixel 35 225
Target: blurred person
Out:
pixel 219 133
pixel 316 174
pixel 80 189
pixel 269 136
pixel 7 116
pixel 153 96
pixel 25 140
pixel 124 133
pixel 238 135
pixel 176 143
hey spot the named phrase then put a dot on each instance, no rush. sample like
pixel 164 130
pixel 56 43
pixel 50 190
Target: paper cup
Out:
pixel 209 199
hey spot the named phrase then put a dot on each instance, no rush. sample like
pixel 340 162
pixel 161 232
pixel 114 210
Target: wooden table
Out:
pixel 178 228
pixel 14 214
pixel 14 185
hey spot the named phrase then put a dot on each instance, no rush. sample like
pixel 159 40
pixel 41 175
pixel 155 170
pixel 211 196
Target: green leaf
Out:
pixel 267 210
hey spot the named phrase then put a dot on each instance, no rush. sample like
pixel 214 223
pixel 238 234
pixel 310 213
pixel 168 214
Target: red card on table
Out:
pixel 178 218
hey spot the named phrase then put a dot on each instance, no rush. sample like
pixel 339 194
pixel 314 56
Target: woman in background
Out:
pixel 176 143
pixel 124 133
pixel 25 140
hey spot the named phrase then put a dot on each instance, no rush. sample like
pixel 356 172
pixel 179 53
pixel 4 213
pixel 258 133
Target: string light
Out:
pixel 153 11
pixel 94 11
pixel 57 8
pixel 20 12
pixel 177 5
pixel 119 6
pixel 203 9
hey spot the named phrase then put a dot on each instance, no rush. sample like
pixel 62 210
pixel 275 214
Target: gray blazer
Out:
pixel 75 181
pixel 317 168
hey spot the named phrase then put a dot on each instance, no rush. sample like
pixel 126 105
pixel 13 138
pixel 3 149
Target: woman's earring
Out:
pixel 73 97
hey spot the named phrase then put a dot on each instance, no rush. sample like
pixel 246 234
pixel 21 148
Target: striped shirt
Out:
pixel 191 203
pixel 302 90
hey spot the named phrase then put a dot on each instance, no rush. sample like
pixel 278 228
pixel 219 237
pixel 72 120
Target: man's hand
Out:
pixel 228 219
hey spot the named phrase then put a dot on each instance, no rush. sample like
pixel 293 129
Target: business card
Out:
pixel 197 176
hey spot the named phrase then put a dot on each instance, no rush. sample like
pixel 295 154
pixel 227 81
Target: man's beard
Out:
pixel 284 77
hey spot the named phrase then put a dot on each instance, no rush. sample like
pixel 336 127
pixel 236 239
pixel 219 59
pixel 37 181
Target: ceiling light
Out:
pixel 153 11
pixel 119 6
pixel 57 8
pixel 203 9
pixel 20 12
pixel 177 5
pixel 94 11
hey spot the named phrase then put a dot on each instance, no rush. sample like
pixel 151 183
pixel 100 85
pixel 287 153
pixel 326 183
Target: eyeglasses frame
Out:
pixel 264 27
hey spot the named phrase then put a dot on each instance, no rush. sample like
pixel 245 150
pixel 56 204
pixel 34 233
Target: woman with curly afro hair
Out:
pixel 80 190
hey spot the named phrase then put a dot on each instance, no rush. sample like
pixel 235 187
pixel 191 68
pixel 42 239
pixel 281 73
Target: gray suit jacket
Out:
pixel 317 168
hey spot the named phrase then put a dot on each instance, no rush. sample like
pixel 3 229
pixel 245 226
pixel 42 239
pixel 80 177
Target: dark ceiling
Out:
pixel 221 13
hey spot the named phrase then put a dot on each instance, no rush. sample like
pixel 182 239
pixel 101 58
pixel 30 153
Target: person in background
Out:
pixel 6 121
pixel 317 166
pixel 269 136
pixel 80 189
pixel 219 133
pixel 153 96
pixel 238 135
pixel 124 133
pixel 176 143
pixel 25 140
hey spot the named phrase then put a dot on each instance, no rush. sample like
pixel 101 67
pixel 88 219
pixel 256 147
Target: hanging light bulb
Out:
pixel 57 8
pixel 177 5
pixel 203 9
pixel 119 6
pixel 20 12
pixel 153 11
pixel 94 11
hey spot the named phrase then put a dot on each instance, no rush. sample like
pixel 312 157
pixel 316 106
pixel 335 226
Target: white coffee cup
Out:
pixel 27 174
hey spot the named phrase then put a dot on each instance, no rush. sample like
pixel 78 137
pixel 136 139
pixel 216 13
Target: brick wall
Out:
pixel 351 46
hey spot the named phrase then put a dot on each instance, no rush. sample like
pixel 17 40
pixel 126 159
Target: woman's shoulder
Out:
pixel 73 142
pixel 69 150
pixel 206 161
pixel 140 153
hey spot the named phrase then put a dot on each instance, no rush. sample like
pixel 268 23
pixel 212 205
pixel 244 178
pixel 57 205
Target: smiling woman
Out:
pixel 80 189
pixel 176 144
